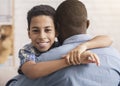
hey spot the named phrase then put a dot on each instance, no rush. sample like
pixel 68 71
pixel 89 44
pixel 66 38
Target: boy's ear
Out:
pixel 88 23
pixel 56 34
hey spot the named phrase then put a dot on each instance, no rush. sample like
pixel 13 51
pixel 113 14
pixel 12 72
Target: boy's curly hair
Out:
pixel 40 10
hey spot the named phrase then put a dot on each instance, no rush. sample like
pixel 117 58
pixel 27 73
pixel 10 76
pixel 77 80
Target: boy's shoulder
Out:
pixel 27 47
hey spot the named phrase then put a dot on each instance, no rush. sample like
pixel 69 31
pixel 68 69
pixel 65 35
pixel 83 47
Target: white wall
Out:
pixel 104 16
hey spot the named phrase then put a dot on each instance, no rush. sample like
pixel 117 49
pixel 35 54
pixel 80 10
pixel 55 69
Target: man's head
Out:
pixel 41 27
pixel 71 16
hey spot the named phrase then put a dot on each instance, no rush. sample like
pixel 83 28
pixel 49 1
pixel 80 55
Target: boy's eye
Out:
pixel 48 30
pixel 35 30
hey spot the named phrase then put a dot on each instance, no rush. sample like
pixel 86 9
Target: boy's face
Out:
pixel 42 32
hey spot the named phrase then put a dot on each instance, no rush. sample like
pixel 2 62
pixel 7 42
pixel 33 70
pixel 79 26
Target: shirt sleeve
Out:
pixel 29 53
pixel 26 55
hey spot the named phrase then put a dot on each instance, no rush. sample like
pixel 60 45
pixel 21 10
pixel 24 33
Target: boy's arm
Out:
pixel 85 58
pixel 32 69
pixel 35 70
pixel 97 42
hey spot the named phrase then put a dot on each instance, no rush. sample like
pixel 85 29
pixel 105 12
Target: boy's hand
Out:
pixel 73 57
pixel 83 58
pixel 89 57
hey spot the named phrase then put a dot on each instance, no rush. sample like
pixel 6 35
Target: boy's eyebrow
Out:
pixel 34 27
pixel 47 26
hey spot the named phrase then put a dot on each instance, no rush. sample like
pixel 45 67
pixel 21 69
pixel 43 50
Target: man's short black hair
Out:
pixel 71 14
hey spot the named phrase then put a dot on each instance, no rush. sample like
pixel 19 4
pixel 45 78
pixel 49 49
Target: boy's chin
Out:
pixel 43 50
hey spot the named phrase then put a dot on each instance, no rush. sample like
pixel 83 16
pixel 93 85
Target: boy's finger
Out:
pixel 96 59
pixel 67 59
pixel 79 57
pixel 90 58
pixel 76 58
pixel 72 60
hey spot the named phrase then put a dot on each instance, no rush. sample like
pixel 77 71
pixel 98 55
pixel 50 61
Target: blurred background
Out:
pixel 104 16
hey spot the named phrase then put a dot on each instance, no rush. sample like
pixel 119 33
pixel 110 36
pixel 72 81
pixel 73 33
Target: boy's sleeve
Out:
pixel 25 55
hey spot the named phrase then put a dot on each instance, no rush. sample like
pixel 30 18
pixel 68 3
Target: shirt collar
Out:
pixel 77 38
pixel 34 50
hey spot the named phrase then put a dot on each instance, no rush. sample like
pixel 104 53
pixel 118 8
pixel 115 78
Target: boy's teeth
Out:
pixel 42 44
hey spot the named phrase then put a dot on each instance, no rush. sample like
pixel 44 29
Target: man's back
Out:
pixel 72 19
pixel 107 74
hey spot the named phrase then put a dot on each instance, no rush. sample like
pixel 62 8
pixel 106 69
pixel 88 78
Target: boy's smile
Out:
pixel 42 32
pixel 42 44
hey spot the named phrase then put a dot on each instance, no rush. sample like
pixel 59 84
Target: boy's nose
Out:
pixel 42 35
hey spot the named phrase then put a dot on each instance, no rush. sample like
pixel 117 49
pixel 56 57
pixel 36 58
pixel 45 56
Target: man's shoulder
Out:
pixel 107 51
pixel 64 47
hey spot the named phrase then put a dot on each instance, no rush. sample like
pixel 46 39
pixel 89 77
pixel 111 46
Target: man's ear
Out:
pixel 88 23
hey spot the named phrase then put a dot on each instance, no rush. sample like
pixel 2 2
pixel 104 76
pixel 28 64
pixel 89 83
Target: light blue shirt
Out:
pixel 107 74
